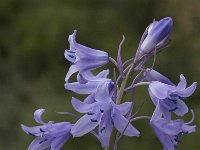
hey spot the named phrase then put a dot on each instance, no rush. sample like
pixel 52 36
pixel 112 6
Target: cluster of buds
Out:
pixel 107 114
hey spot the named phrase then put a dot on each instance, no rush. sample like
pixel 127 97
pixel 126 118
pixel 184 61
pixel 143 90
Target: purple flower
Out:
pixel 171 97
pixel 87 82
pixel 169 131
pixel 83 58
pixel 156 35
pixel 48 135
pixel 101 110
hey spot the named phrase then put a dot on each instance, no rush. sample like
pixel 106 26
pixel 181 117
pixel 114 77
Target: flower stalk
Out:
pixel 123 85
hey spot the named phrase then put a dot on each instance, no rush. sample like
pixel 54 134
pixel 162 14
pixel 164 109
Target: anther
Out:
pixel 41 130
pixel 93 120
pixel 112 122
pixel 72 52
pixel 31 134
pixel 89 113
pixel 102 111
pixel 173 109
pixel 102 129
pixel 177 140
pixel 43 141
pixel 71 56
pixel 173 100
pixel 181 98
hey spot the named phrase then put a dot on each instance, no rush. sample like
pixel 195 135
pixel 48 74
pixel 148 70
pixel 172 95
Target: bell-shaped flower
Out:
pixel 87 83
pixel 101 111
pixel 156 36
pixel 83 58
pixel 169 131
pixel 48 135
pixel 171 97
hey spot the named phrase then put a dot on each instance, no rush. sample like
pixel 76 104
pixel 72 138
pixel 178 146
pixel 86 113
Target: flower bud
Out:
pixel 157 35
pixel 153 75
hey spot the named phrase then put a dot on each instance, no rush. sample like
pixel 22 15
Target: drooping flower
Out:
pixel 87 82
pixel 156 36
pixel 48 135
pixel 101 111
pixel 83 58
pixel 171 97
pixel 169 131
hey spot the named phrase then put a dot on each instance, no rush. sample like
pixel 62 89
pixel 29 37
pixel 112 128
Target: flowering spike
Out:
pixel 103 107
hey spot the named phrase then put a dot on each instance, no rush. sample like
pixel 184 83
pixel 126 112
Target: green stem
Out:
pixel 140 83
pixel 112 138
pixel 140 117
pixel 135 85
pixel 113 61
pixel 124 81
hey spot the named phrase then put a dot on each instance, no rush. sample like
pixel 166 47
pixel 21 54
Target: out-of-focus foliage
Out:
pixel 33 37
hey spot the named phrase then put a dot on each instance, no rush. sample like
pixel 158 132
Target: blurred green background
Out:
pixel 33 37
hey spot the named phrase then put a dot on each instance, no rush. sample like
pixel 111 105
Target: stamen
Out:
pixel 110 86
pixel 93 120
pixel 102 129
pixel 185 132
pixel 173 100
pixel 71 56
pixel 41 130
pixel 112 122
pixel 90 113
pixel 31 134
pixel 102 111
pixel 173 109
pixel 175 146
pixel 180 133
pixel 181 98
pixel 177 139
pixel 43 141
pixel 72 52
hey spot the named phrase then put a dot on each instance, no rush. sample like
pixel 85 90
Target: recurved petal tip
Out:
pixel 38 115
pixel 188 91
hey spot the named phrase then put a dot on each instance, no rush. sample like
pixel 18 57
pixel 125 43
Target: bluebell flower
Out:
pixel 48 135
pixel 169 131
pixel 156 36
pixel 101 111
pixel 83 58
pixel 87 83
pixel 171 97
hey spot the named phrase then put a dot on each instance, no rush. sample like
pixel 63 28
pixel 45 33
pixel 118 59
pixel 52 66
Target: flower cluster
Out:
pixel 105 110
